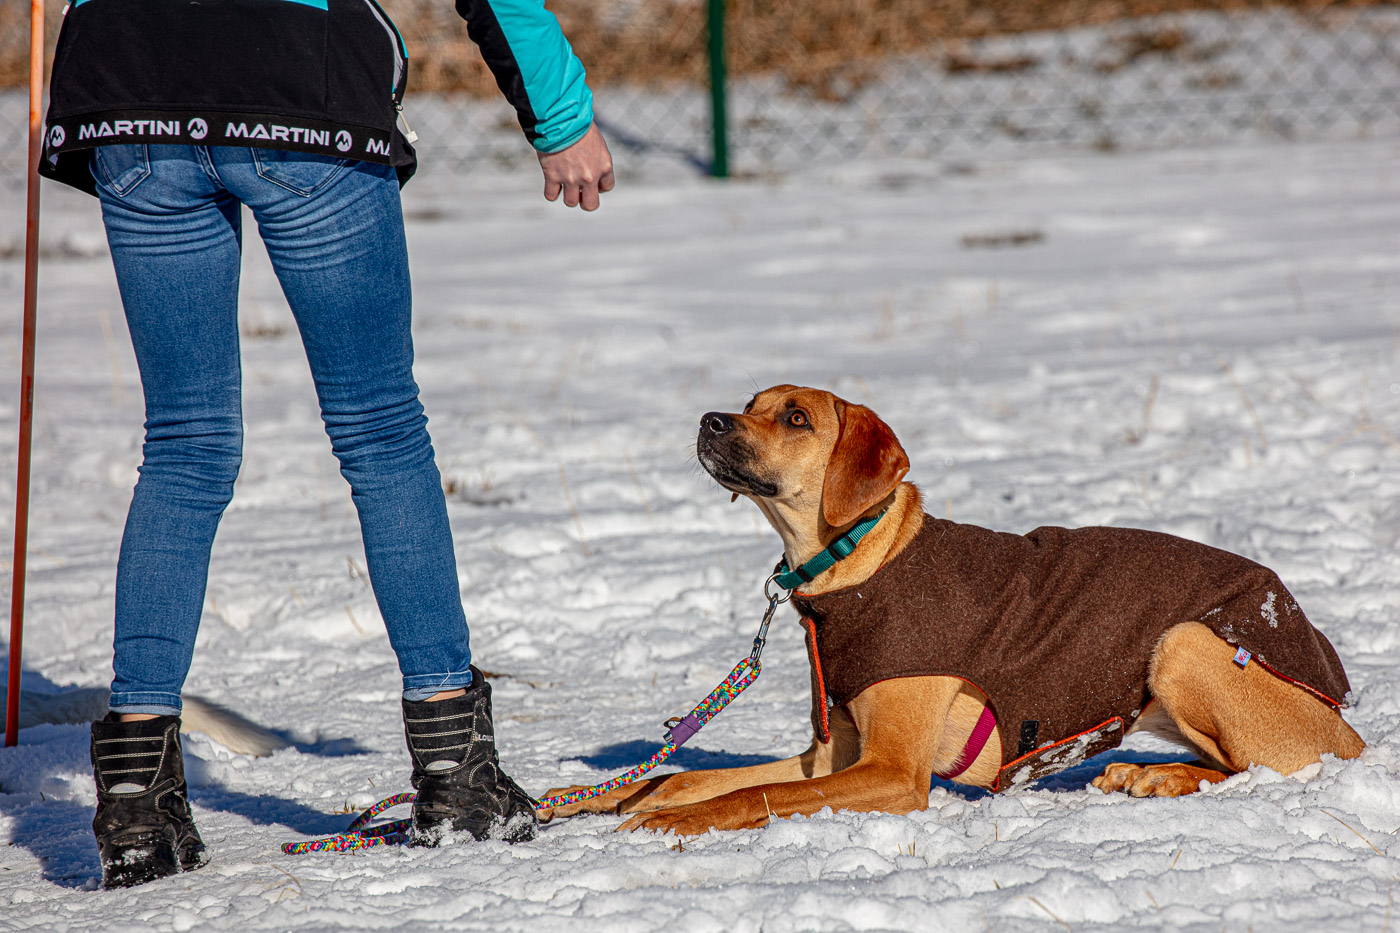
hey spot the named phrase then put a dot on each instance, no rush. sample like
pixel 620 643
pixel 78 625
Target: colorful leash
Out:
pixel 355 837
pixel 679 731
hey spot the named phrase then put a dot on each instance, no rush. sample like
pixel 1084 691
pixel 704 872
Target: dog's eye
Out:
pixel 798 418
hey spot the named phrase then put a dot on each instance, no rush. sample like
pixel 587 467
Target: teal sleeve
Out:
pixel 535 68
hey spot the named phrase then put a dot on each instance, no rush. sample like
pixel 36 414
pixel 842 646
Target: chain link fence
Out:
pixel 910 78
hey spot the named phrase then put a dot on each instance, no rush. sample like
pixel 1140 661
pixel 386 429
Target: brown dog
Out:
pixel 987 658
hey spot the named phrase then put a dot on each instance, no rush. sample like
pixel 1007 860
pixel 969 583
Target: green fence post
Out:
pixel 719 168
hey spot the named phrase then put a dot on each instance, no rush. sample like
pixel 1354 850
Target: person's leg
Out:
pixel 334 233
pixel 174 239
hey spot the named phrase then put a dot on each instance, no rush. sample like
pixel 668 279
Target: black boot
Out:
pixel 143 824
pixel 459 780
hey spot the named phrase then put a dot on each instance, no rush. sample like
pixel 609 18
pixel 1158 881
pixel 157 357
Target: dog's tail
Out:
pixel 84 704
pixel 223 725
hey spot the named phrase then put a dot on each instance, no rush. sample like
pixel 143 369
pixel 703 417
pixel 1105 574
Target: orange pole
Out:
pixel 26 386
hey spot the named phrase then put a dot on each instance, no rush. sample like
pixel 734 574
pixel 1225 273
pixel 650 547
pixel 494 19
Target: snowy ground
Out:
pixel 1205 342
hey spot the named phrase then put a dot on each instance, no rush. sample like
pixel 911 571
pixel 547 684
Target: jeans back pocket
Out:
pixel 121 168
pixel 301 173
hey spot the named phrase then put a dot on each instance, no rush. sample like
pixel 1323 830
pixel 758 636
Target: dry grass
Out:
pixel 829 47
pixel 1354 830
pixel 14 38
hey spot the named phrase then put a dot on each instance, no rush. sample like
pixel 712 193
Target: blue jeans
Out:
pixel 334 231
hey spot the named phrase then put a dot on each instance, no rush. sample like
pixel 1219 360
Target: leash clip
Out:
pixel 762 637
pixel 774 601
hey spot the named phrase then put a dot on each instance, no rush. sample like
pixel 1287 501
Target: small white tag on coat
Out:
pixel 1242 657
pixel 407 130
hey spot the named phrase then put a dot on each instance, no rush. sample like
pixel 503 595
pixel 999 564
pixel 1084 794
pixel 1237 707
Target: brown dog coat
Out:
pixel 1056 627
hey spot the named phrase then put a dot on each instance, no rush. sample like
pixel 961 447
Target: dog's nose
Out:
pixel 716 423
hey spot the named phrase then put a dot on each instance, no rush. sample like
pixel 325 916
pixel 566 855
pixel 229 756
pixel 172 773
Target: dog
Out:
pixel 84 704
pixel 991 659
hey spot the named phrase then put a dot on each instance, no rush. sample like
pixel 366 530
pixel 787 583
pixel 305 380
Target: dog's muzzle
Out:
pixel 721 452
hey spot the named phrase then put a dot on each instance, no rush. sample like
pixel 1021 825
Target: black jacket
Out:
pixel 322 76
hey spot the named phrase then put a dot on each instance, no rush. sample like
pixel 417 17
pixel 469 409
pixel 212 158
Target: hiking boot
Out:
pixel 459 780
pixel 143 824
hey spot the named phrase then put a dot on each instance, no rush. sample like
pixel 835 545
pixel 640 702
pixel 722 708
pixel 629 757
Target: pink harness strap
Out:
pixel 975 743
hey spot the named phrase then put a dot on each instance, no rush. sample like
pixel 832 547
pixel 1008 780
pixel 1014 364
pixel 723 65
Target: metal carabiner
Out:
pixel 762 637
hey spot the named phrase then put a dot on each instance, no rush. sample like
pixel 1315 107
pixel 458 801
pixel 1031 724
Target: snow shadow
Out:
pixel 965 791
pixel 269 811
pixel 622 755
pixel 45 781
pixel 1071 779
pixel 29 679
pixel 58 834
pixel 326 748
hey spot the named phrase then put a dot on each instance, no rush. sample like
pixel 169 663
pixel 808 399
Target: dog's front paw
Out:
pixel 1173 779
pixel 603 803
pixel 694 820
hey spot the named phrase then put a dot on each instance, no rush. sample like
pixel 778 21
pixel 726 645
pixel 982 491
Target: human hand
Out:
pixel 581 172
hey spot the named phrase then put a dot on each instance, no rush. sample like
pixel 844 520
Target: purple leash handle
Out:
pixel 682 729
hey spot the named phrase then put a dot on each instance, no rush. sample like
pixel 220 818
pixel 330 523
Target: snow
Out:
pixel 1203 342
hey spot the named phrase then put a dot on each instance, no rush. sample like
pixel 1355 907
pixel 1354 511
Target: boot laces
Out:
pixel 134 761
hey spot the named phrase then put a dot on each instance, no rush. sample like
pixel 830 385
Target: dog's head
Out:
pixel 812 461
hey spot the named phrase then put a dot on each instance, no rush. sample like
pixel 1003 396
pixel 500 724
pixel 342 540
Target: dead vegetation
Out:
pixel 1002 240
pixel 827 47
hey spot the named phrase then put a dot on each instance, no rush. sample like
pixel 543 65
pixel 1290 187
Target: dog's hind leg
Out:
pixel 1161 780
pixel 1236 716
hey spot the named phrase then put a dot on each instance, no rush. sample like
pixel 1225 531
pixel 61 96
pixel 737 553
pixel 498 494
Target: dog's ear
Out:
pixel 866 463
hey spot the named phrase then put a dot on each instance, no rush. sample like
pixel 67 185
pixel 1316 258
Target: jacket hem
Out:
pixel 196 127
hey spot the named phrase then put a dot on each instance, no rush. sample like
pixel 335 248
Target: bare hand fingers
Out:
pixel 581 194
pixel 581 171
